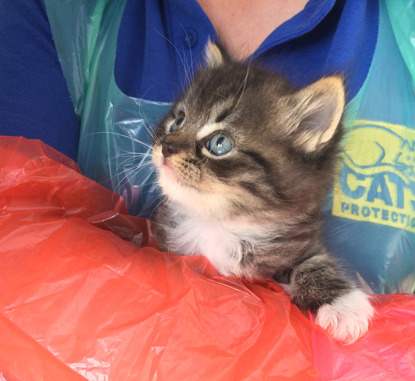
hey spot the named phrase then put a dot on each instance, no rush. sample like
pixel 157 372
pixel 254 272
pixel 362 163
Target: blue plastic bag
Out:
pixel 115 136
pixel 370 217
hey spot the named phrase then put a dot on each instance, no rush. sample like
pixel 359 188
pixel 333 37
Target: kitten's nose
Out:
pixel 168 149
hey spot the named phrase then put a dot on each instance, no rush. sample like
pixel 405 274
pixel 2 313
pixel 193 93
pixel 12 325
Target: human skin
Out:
pixel 242 25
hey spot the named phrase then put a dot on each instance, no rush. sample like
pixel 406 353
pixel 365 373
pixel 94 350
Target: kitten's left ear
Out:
pixel 215 54
pixel 319 110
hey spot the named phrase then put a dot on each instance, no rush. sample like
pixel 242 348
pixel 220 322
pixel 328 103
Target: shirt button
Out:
pixel 190 38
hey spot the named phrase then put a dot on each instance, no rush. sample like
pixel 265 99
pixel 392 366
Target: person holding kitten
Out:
pixel 158 46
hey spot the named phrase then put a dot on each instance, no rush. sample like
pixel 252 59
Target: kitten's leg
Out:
pixel 318 284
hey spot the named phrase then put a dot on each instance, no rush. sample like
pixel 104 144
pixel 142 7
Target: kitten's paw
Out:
pixel 348 317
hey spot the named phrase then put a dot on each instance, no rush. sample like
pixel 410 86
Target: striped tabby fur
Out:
pixel 255 211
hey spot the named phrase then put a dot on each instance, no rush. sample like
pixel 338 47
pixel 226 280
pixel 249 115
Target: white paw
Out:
pixel 348 317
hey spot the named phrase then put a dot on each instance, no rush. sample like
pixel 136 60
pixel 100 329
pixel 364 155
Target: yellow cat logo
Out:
pixel 376 181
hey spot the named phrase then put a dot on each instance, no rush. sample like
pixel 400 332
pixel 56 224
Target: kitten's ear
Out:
pixel 215 54
pixel 320 109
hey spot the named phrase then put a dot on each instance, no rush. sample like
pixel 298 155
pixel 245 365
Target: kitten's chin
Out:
pixel 169 171
pixel 191 199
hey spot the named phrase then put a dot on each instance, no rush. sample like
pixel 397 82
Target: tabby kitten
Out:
pixel 244 161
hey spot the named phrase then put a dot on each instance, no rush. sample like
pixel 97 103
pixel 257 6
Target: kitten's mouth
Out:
pixel 175 175
pixel 173 171
pixel 169 170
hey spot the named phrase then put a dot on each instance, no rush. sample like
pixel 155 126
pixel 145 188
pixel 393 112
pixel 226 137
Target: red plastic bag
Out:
pixel 78 301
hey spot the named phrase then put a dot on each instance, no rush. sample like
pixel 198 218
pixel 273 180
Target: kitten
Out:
pixel 244 161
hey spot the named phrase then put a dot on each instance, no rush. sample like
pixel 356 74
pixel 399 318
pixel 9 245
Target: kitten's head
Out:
pixel 243 141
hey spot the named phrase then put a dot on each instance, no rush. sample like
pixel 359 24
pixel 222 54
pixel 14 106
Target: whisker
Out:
pixel 188 75
pixel 127 165
pixel 134 155
pixel 242 87
pixel 131 155
pixel 124 136
pixel 138 168
pixel 147 125
pixel 219 94
pixel 126 175
pixel 183 61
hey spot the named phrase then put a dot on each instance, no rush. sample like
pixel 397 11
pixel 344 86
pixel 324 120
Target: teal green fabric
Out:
pixel 115 129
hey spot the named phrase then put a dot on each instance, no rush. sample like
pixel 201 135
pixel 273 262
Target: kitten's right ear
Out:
pixel 318 112
pixel 215 54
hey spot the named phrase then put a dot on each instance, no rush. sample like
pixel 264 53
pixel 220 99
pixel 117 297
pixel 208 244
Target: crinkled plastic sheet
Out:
pixel 78 301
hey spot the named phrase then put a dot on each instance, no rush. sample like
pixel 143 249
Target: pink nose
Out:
pixel 168 149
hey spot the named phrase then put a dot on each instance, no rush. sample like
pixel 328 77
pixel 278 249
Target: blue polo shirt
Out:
pixel 160 43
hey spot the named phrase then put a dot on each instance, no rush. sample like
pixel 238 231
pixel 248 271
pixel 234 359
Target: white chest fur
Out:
pixel 221 242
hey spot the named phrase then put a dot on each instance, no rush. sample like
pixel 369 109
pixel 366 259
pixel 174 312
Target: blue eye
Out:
pixel 219 144
pixel 177 124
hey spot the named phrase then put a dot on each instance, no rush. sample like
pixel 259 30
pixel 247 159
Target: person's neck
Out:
pixel 242 25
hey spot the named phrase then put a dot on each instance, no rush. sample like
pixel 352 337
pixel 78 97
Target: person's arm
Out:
pixel 34 99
